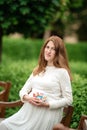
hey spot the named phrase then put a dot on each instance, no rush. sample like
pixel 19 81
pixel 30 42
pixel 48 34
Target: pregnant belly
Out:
pixel 38 94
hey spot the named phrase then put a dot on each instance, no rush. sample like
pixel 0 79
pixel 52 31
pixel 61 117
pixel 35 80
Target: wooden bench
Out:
pixel 68 111
pixel 83 123
pixel 4 94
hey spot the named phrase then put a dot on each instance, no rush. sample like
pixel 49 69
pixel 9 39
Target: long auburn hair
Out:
pixel 60 60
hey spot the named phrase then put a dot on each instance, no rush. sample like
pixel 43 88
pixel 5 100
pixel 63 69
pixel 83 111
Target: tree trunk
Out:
pixel 1 34
pixel 47 34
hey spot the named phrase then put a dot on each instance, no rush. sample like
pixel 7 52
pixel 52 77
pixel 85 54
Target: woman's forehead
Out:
pixel 51 43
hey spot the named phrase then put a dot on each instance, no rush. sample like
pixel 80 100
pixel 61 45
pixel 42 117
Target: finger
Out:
pixel 33 102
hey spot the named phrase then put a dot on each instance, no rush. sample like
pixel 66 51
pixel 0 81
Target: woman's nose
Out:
pixel 49 50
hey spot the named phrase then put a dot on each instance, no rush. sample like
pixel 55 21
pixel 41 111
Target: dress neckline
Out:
pixel 50 67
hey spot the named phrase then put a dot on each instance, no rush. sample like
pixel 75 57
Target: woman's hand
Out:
pixel 38 102
pixel 35 101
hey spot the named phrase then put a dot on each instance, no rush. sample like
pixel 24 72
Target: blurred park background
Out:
pixel 25 24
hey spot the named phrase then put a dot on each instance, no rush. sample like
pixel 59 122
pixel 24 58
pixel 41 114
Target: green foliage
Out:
pixel 31 17
pixel 20 57
pixel 20 48
pixel 79 67
pixel 80 98
pixel 21 16
pixel 17 73
pixel 77 52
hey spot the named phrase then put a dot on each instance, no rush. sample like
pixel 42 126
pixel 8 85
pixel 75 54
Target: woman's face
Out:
pixel 49 53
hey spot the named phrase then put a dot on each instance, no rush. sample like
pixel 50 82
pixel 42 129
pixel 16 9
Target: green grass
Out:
pixel 19 58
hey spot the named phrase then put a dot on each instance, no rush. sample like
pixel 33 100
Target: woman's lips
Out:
pixel 47 55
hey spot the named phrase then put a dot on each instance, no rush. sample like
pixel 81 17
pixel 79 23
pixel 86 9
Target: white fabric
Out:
pixel 56 86
pixel 3 127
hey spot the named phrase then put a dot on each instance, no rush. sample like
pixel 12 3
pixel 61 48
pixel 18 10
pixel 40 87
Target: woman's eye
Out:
pixel 53 49
pixel 47 46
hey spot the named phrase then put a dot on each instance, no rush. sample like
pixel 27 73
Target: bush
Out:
pixel 20 49
pixel 77 52
pixel 79 85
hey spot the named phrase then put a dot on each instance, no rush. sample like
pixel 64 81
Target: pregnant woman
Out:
pixel 46 92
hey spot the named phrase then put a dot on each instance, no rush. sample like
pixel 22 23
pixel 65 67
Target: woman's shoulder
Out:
pixel 57 69
pixel 62 72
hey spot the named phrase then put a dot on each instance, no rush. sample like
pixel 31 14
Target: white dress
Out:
pixel 55 84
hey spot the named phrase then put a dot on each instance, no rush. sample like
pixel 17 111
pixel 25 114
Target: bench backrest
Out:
pixel 4 93
pixel 68 112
